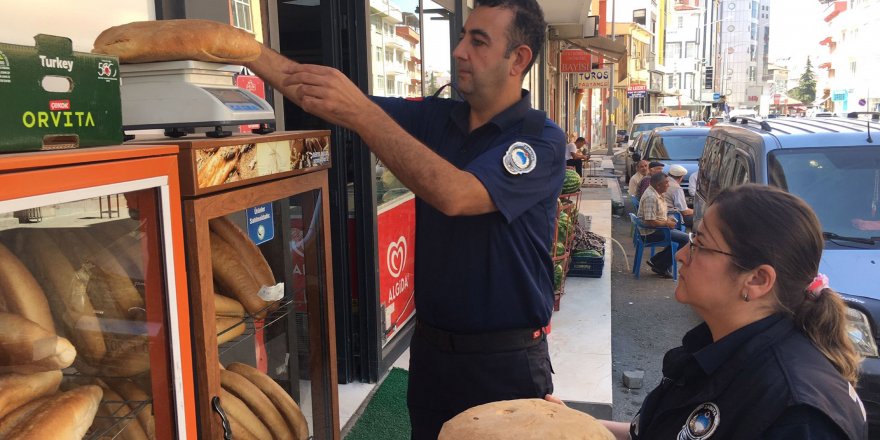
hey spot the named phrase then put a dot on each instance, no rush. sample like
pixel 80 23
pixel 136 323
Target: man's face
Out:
pixel 481 65
pixel 662 186
pixel 580 144
pixel 655 170
pixel 643 168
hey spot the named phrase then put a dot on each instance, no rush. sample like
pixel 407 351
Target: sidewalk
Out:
pixel 580 338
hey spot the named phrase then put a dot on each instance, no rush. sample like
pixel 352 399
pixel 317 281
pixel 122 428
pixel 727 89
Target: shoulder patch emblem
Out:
pixel 702 423
pixel 520 158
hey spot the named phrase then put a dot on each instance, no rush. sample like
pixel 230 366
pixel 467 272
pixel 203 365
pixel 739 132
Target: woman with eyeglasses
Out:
pixel 772 359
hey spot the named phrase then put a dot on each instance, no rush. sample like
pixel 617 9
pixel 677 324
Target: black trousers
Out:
pixel 442 384
pixel 577 164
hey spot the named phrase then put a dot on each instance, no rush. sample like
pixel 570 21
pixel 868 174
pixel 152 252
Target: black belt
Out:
pixel 506 340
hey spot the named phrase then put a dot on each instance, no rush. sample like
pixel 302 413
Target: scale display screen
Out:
pixel 235 100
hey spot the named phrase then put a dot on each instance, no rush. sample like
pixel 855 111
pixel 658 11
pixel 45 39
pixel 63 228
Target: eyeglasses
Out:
pixel 693 247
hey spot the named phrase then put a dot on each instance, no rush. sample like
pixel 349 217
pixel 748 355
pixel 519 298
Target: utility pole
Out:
pixel 611 135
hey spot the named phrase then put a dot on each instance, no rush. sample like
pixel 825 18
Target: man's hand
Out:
pixel 328 94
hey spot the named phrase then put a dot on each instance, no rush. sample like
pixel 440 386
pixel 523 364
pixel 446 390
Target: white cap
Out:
pixel 677 171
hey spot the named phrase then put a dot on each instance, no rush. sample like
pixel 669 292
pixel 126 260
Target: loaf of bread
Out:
pixel 282 401
pixel 231 328
pixel 19 389
pixel 170 40
pixel 250 254
pixel 66 293
pixel 20 293
pixel 67 416
pixel 227 307
pixel 232 276
pixel 245 424
pixel 130 357
pixel 257 401
pixel 523 419
pixel 115 407
pixel 26 348
pixel 8 423
pixel 131 392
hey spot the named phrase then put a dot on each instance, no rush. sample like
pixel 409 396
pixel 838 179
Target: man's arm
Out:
pixel 325 92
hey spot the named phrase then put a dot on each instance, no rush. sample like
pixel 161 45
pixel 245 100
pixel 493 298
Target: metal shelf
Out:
pixel 285 308
pixel 117 420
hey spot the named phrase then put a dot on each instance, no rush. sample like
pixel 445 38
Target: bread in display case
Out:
pixel 90 341
pixel 258 257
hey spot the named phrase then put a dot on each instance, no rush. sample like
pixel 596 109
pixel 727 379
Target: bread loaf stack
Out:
pixel 258 408
pixel 240 268
pixel 31 408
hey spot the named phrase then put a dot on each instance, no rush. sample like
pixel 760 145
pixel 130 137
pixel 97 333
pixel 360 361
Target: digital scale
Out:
pixel 181 96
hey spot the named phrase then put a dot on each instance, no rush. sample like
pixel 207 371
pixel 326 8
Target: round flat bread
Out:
pixel 523 419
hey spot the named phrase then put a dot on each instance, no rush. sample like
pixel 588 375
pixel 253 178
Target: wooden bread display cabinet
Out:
pixel 94 319
pixel 257 240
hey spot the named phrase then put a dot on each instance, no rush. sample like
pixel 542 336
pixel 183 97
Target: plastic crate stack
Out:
pixel 566 222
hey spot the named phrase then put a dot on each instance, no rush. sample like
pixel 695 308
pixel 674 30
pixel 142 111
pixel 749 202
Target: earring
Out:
pixel 745 296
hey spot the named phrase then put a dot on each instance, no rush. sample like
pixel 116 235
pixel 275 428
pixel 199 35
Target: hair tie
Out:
pixel 816 286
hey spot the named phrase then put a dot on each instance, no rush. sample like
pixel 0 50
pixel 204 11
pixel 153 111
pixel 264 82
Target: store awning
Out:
pixel 613 50
pixel 835 11
pixel 680 101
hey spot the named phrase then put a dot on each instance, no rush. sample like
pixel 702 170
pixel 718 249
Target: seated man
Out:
pixel 674 196
pixel 573 156
pixel 652 212
pixel 636 179
pixel 653 168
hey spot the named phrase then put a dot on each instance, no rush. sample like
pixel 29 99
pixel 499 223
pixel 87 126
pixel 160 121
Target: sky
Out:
pixel 435 38
pixel 796 27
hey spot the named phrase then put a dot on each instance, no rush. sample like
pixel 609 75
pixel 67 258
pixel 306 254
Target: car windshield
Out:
pixel 842 184
pixel 671 147
pixel 647 126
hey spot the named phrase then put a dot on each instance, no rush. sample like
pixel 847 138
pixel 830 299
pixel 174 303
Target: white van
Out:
pixel 647 122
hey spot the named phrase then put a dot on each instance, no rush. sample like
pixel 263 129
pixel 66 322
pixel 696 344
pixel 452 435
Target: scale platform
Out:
pixel 180 96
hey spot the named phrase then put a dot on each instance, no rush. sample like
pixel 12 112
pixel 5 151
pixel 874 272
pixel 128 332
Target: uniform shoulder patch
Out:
pixel 702 422
pixel 520 158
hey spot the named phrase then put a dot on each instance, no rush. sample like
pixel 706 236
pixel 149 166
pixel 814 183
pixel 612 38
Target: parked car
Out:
pixel 677 146
pixel 834 164
pixel 643 123
pixel 635 153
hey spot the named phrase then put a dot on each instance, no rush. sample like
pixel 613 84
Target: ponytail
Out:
pixel 822 319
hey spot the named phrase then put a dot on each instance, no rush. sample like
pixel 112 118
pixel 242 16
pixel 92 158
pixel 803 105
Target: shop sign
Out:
pixel 636 91
pixel 593 79
pixel 260 224
pixel 839 95
pixel 574 61
pixel 397 241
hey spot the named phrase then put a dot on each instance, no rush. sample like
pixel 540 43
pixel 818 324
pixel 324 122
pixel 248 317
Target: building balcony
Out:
pixel 387 8
pixel 408 33
pixel 834 10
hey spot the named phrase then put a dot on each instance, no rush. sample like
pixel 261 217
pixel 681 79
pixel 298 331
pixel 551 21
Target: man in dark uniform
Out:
pixel 486 173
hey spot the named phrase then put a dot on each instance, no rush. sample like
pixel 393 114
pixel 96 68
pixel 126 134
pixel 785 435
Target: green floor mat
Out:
pixel 386 416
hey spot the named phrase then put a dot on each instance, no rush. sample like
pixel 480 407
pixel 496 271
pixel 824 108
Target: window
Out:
pixel 241 15
pixel 380 85
pixel 379 54
pixel 752 73
pixel 680 22
pixel 673 80
pixel 852 67
pixel 690 49
pixel 673 50
pixel 688 80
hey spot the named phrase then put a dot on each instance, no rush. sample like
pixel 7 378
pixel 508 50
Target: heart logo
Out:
pixel 396 257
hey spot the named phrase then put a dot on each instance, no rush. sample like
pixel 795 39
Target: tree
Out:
pixel 806 89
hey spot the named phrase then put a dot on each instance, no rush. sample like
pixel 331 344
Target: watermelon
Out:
pixel 560 249
pixel 571 183
pixel 564 226
pixel 589 253
pixel 558 274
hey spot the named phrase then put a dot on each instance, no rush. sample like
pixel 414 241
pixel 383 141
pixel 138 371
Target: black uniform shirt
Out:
pixel 688 371
pixel 489 272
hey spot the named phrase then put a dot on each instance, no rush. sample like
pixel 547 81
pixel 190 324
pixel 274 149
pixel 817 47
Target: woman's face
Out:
pixel 707 279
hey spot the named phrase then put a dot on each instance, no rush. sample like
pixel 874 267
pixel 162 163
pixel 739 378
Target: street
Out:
pixel 646 321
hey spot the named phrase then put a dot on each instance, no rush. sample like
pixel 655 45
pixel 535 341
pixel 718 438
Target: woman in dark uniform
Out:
pixel 772 359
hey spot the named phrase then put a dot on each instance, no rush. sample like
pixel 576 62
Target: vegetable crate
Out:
pixel 589 267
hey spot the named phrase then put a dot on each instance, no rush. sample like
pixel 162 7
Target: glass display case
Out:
pixel 93 294
pixel 258 257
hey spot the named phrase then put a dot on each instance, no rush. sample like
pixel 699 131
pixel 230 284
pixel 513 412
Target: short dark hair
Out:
pixel 528 26
pixel 580 139
pixel 658 178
